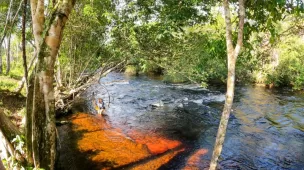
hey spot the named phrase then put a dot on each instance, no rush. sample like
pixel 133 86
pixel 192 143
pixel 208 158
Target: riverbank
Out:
pixel 11 102
pixel 12 107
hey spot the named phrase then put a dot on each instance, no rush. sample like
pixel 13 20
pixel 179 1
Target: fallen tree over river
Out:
pixel 65 97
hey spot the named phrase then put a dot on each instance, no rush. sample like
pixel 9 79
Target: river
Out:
pixel 173 126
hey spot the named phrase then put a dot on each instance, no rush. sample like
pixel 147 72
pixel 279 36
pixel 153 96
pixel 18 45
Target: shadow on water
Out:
pixel 152 125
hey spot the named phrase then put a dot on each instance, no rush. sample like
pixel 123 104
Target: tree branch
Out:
pixel 21 83
pixel 64 101
pixel 229 42
pixel 239 43
pixel 6 23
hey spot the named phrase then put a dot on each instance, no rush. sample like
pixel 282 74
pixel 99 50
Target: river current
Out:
pixel 265 130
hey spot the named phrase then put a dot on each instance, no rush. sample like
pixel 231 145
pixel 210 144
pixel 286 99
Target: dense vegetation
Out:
pixel 182 40
pixel 184 45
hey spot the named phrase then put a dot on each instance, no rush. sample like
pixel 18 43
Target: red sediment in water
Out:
pixel 108 147
pixel 88 122
pixel 196 162
pixel 112 147
pixel 158 162
pixel 106 144
pixel 155 143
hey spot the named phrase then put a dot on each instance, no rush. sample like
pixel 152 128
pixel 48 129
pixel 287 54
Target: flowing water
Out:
pixel 265 130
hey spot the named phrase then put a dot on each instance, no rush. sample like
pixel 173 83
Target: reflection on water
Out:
pixel 267 137
pixel 174 127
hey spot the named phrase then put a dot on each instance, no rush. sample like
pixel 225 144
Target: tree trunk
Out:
pixel 37 10
pixel 8 55
pixel 232 55
pixel 1 164
pixel 42 114
pixel 1 66
pixel 58 75
pixel 7 127
pixel 28 124
pixel 24 45
pixel 8 131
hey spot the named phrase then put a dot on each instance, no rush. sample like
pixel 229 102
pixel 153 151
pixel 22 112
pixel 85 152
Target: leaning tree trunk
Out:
pixel 8 131
pixel 7 127
pixel 42 114
pixel 232 54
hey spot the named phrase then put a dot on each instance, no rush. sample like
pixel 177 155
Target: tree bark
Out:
pixel 1 164
pixel 232 55
pixel 58 75
pixel 7 127
pixel 28 119
pixel 24 45
pixel 42 113
pixel 8 55
pixel 1 66
pixel 37 11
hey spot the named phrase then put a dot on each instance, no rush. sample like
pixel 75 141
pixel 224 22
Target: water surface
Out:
pixel 265 130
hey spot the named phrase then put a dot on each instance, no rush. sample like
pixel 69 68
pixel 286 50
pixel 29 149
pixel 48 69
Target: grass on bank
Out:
pixel 7 83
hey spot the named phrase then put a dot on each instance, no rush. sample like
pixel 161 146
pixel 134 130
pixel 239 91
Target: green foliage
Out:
pixel 89 11
pixel 12 163
pixel 7 83
pixel 196 52
pixel 290 70
pixel 184 40
pixel 84 49
pixel 174 77
pixel 131 70
pixel 19 143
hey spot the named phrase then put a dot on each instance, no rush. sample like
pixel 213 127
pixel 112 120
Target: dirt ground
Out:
pixel 12 103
